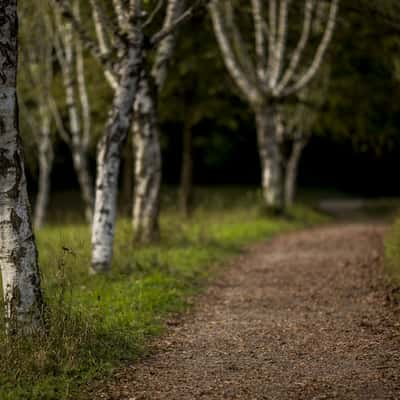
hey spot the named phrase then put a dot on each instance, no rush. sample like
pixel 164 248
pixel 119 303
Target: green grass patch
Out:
pixel 392 255
pixel 97 323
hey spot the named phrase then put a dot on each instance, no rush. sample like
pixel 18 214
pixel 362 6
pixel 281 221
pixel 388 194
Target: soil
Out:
pixel 304 316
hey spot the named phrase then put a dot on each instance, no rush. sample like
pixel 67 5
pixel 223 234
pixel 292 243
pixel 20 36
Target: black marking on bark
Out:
pixel 16 220
pixel 5 163
pixel 16 256
pixel 2 126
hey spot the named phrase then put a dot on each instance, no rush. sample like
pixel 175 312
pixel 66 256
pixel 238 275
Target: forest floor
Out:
pixel 304 316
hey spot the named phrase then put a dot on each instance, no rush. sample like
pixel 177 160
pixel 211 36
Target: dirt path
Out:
pixel 301 317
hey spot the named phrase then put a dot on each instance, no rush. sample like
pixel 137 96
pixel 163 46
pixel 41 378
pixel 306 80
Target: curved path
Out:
pixel 303 316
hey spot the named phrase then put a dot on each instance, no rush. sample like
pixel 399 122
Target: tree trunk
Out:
pixel 270 157
pixel 291 171
pixel 186 192
pixel 127 180
pixel 147 155
pixel 79 156
pixel 46 158
pixel 109 157
pixel 81 167
pixel 18 253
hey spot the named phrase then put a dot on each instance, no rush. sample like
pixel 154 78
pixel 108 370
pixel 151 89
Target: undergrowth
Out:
pixel 95 323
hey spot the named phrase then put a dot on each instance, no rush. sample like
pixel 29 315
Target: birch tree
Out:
pixel 296 122
pixel 18 254
pixel 120 47
pixel 294 132
pixel 37 66
pixel 273 70
pixel 147 152
pixel 69 53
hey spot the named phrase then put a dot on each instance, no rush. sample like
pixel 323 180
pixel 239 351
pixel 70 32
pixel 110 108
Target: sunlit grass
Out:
pixel 95 323
pixel 392 254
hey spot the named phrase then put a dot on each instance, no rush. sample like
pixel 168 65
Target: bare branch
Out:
pixel 87 41
pixel 165 31
pixel 249 90
pixel 100 28
pixel 309 75
pixel 260 42
pixel 153 14
pixel 294 62
pixel 238 43
pixel 280 44
pixel 166 46
pixel 272 29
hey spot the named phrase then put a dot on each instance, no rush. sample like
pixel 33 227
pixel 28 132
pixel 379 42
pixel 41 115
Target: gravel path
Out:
pixel 304 316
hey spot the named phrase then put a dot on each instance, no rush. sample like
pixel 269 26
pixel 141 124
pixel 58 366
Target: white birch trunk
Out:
pixel 291 171
pixel 18 254
pixel 46 157
pixel 270 157
pixel 147 156
pixel 109 157
pixel 146 142
pixel 79 155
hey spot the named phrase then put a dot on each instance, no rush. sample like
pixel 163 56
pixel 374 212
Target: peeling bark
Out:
pixel 18 253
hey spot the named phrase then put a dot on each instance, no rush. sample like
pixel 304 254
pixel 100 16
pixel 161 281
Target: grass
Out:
pixel 392 254
pixel 98 323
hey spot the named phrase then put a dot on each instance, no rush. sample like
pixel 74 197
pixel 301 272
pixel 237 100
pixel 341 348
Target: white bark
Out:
pixel 270 156
pixel 242 80
pixel 109 156
pixel 146 141
pixel 71 62
pixel 18 254
pixel 46 157
pixel 311 72
pixel 147 156
pixel 291 169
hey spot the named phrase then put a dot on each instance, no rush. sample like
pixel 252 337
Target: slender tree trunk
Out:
pixel 18 254
pixel 79 156
pixel 46 156
pixel 186 190
pixel 147 155
pixel 80 161
pixel 270 157
pixel 109 157
pixel 291 171
pixel 127 180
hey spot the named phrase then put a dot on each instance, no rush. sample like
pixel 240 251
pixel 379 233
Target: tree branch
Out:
pixel 249 90
pixel 305 34
pixel 309 75
pixel 165 31
pixel 260 42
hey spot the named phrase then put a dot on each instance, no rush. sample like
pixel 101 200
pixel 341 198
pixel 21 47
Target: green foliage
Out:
pixel 97 323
